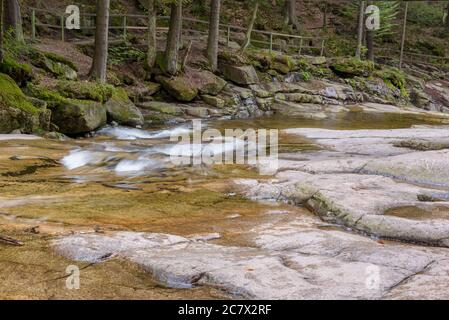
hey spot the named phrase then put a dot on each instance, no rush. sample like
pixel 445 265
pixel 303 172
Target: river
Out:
pixel 123 180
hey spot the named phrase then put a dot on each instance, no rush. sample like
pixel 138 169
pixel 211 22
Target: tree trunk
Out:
pixel 370 44
pixel 152 42
pixel 100 61
pixel 1 31
pixel 13 18
pixel 292 18
pixel 214 28
pixel 249 31
pixel 361 23
pixel 447 16
pixel 171 50
pixel 325 14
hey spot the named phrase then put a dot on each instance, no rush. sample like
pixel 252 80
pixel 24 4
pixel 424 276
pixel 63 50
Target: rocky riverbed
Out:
pixel 357 210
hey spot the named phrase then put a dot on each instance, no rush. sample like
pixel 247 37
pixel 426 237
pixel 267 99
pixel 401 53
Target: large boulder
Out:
pixel 206 82
pixel 352 67
pixel 16 112
pixel 121 110
pixel 162 107
pixel 75 117
pixel 85 90
pixel 243 75
pixel 179 87
pixel 55 64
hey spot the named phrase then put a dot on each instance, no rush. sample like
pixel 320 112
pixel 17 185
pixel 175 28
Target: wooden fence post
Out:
pixel 404 27
pixel 124 27
pixel 228 36
pixel 322 47
pixel 33 25
pixel 62 28
pixel 271 42
pixel 300 46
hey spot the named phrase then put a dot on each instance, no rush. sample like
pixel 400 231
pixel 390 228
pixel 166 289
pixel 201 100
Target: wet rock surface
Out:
pixel 191 235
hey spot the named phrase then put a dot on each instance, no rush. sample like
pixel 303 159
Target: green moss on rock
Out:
pixel 75 117
pixel 16 112
pixel 54 64
pixel 21 73
pixel 352 67
pixel 84 90
pixel 394 79
pixel 179 87
pixel 121 110
pixel 57 58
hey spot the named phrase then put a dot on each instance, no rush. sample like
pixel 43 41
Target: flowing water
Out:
pixel 123 179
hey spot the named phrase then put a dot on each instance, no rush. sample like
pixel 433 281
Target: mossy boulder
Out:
pixel 233 57
pixel 74 117
pixel 21 73
pixel 50 97
pixel 162 107
pixel 315 60
pixel 71 116
pixel 55 64
pixel 206 82
pixel 85 90
pixel 16 112
pixel 121 110
pixel 214 101
pixel 394 79
pixel 352 67
pixel 264 61
pixel 243 75
pixel 178 87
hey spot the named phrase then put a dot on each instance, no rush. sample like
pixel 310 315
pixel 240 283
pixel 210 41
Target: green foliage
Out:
pixel 389 11
pixel 388 14
pixel 13 48
pixel 306 76
pixel 125 53
pixel 431 47
pixel 426 14
pixel 21 73
pixel 394 79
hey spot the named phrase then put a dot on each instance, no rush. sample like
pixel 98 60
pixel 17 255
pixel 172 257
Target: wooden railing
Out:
pixel 388 53
pixel 269 39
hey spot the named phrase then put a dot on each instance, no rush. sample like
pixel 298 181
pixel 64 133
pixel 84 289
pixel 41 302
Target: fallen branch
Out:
pixel 10 241
pixel 186 55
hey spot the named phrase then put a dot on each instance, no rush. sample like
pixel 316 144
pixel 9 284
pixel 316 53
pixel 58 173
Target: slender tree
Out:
pixel 370 45
pixel 173 38
pixel 152 43
pixel 447 16
pixel 249 31
pixel 1 31
pixel 100 60
pixel 13 19
pixel 360 28
pixel 214 28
